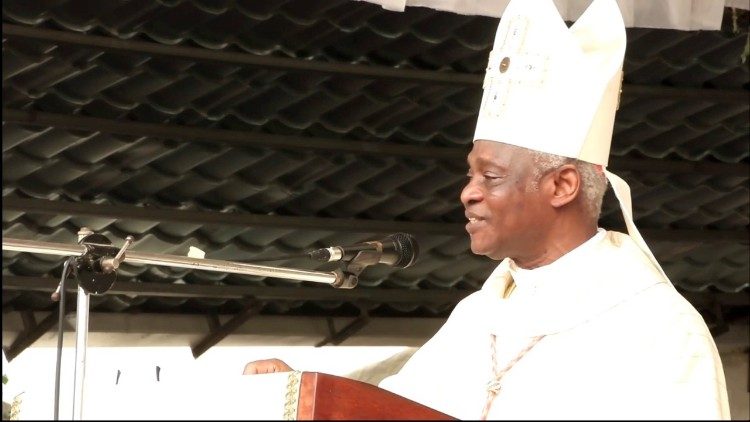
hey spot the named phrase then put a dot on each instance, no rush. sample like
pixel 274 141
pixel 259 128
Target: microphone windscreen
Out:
pixel 407 249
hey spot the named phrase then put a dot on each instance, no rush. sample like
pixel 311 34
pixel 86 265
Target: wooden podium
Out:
pixel 275 396
pixel 315 396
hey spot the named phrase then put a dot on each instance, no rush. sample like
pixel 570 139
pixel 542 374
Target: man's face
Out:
pixel 505 218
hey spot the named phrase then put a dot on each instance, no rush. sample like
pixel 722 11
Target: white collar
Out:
pixel 547 276
pixel 597 275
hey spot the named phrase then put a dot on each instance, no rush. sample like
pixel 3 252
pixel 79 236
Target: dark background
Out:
pixel 252 129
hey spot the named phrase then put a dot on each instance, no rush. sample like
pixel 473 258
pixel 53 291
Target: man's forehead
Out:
pixel 492 152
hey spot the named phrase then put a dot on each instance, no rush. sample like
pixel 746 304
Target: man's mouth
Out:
pixel 474 222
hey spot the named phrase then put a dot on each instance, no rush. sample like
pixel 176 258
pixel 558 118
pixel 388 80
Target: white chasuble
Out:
pixel 619 342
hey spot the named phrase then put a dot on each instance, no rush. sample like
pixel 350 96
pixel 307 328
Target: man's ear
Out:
pixel 566 185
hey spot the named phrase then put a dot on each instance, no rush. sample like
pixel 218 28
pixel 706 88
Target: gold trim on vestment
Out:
pixel 291 398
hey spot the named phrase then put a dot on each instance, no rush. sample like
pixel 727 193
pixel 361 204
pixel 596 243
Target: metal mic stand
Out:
pixel 96 266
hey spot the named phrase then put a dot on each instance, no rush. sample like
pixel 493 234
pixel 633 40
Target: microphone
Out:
pixel 397 250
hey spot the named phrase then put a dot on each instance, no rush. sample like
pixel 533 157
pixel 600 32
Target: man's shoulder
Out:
pixel 472 301
pixel 664 300
pixel 473 307
pixel 619 242
pixel 619 253
pixel 623 259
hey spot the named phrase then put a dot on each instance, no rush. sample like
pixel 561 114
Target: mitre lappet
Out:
pixel 555 89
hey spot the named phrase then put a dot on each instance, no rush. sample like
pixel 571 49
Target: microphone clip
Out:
pixel 96 268
pixel 347 275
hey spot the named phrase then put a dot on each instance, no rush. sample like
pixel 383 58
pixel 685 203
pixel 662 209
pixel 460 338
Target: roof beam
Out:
pixel 259 293
pixel 289 64
pixel 234 138
pixel 131 212
pixel 237 138
pixel 351 225
pixel 45 207
pixel 358 295
pixel 236 58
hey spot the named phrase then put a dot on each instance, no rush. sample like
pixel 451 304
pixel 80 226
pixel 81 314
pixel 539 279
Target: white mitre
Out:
pixel 556 89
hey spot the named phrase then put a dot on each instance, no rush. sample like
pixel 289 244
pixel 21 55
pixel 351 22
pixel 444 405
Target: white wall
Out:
pixel 376 351
pixel 138 395
pixel 182 379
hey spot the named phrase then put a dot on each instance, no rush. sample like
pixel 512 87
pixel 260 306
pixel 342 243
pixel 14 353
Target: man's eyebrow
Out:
pixel 482 161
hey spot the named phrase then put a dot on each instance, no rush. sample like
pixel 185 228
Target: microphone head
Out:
pixel 406 249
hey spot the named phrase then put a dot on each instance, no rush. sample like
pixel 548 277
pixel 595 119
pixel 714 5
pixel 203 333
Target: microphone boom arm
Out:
pixel 96 266
pixel 333 278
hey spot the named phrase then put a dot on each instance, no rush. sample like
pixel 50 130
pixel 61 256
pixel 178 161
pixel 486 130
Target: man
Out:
pixel 576 322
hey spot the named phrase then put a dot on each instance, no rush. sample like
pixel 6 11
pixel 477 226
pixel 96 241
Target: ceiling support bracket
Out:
pixel 218 331
pixel 719 325
pixel 32 331
pixel 337 337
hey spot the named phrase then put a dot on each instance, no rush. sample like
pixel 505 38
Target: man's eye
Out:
pixel 487 177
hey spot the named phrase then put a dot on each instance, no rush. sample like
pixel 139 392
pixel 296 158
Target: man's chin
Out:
pixel 483 249
pixel 478 248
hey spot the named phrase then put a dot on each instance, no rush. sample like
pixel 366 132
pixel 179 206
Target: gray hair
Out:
pixel 593 182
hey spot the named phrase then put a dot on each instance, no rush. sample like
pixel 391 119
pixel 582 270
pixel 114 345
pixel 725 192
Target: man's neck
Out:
pixel 558 244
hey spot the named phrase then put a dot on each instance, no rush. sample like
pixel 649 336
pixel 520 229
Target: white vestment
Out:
pixel 619 343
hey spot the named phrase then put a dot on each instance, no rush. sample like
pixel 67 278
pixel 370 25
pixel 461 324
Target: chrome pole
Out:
pixel 50 248
pixel 82 335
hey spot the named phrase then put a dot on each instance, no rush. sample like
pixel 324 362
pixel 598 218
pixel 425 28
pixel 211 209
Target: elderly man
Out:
pixel 576 322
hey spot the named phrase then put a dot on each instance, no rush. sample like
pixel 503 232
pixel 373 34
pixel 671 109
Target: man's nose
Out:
pixel 470 194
